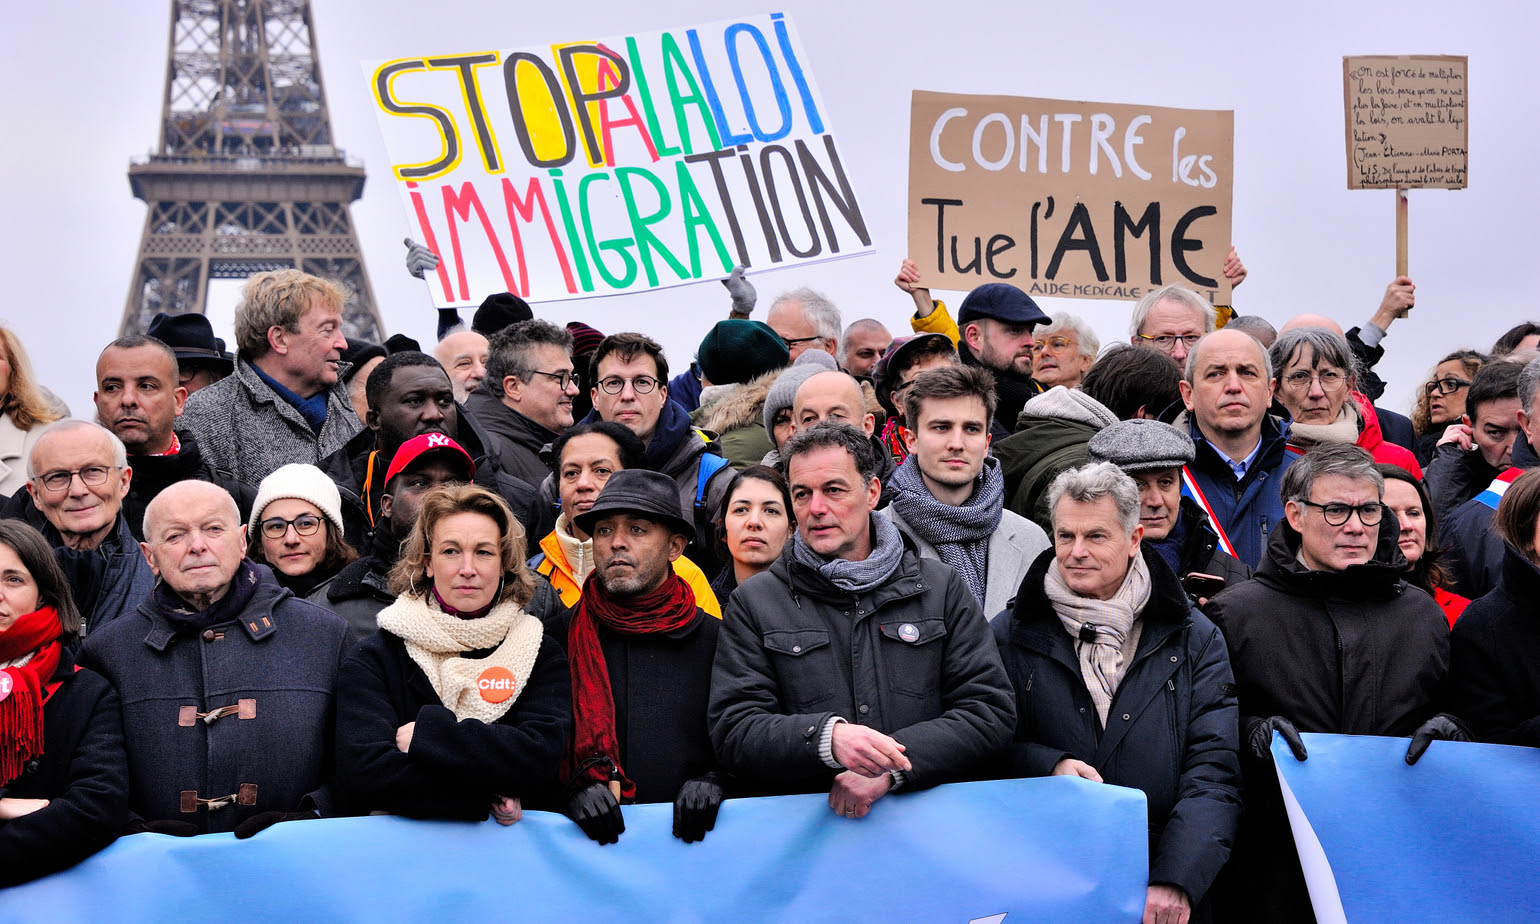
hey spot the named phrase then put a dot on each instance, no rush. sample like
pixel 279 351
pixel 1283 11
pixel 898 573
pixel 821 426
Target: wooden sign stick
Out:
pixel 1401 232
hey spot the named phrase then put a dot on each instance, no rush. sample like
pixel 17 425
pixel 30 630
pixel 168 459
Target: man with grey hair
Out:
pixel 227 679
pixel 805 319
pixel 1171 319
pixel 77 477
pixel 1100 623
pixel 286 401
pixel 1063 350
pixel 1476 562
pixel 1326 638
pixel 1241 449
pixel 853 665
pixel 527 396
pixel 463 353
pixel 865 342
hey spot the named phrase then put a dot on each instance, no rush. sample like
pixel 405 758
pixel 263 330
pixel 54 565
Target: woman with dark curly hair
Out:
pixel 1441 400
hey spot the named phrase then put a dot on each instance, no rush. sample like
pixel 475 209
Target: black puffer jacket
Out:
pixel 1356 652
pixel 1494 657
pixel 1172 728
pixel 913 659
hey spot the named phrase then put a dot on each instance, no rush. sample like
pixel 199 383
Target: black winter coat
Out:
pixel 1200 550
pixel 1476 552
pixel 453 768
pixel 82 772
pixel 1172 728
pixel 520 438
pixel 1494 670
pixel 913 659
pixel 1454 476
pixel 661 684
pixel 280 659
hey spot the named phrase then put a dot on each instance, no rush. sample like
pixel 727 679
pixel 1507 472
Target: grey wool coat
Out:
pixel 1012 549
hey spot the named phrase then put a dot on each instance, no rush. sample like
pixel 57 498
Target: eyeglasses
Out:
pixel 1167 343
pixel 1337 514
pixel 1059 345
pixel 305 525
pixel 1330 380
pixel 642 384
pixel 792 343
pixel 563 379
pixel 91 475
pixel 1445 386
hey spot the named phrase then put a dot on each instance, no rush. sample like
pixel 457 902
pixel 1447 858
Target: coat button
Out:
pixel 1173 659
pixel 208 635
pixel 811 729
pixel 862 612
pixel 865 709
pixel 1125 717
pixel 1082 709
pixel 796 649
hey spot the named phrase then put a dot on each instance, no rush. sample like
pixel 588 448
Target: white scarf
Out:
pixel 579 553
pixel 435 640
pixel 1103 661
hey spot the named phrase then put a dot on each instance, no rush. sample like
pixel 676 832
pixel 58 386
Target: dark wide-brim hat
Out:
pixel 191 338
pixel 642 492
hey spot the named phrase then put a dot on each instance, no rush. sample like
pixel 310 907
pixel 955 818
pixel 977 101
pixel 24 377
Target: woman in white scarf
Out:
pixel 459 703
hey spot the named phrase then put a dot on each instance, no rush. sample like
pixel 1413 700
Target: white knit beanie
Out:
pixel 301 482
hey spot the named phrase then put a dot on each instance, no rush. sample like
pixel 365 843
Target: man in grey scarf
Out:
pixel 948 496
pixel 853 665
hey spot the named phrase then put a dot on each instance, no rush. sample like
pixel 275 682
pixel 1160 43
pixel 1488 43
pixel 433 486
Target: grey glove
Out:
pixel 742 291
pixel 419 259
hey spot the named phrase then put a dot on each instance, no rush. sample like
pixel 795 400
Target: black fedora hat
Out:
pixel 191 337
pixel 637 490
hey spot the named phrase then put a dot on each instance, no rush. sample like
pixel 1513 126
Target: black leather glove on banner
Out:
pixel 597 813
pixel 1260 737
pixel 695 808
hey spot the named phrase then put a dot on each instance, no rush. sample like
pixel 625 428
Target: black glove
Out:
pixel 1442 727
pixel 1260 737
pixel 264 820
pixel 597 813
pixel 695 808
pixel 175 827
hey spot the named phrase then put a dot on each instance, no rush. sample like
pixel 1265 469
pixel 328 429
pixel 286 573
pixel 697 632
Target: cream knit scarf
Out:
pixel 435 640
pixel 1343 430
pixel 1103 661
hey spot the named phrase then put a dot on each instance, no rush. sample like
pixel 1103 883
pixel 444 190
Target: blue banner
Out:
pixel 1040 850
pixel 1454 838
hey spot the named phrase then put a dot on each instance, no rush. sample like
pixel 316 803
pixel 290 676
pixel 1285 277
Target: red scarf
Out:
pixel 595 753
pixel 23 690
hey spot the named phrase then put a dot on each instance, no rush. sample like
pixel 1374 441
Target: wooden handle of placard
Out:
pixel 1400 232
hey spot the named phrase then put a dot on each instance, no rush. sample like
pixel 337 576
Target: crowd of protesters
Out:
pixel 530 569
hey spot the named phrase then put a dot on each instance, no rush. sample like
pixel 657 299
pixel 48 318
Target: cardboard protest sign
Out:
pixel 1075 199
pixel 635 162
pixel 1406 121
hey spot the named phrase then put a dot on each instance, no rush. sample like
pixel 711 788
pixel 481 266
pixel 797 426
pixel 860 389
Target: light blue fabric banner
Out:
pixel 1041 850
pixel 1454 838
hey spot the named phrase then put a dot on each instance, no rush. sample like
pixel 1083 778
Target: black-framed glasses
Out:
pixel 305 524
pixel 563 379
pixel 1167 342
pixel 1447 386
pixel 791 342
pixel 642 384
pixel 1337 514
pixel 91 475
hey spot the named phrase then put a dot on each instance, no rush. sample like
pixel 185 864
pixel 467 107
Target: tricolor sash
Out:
pixel 1499 487
pixel 1190 489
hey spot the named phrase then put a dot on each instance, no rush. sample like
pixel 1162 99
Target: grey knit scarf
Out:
pixel 960 535
pixel 857 576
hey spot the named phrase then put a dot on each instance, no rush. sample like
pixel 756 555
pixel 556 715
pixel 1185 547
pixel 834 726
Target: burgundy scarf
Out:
pixel 595 748
pixel 24 689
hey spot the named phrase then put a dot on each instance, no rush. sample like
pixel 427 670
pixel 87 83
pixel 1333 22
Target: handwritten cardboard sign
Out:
pixel 1406 121
pixel 1073 199
pixel 634 162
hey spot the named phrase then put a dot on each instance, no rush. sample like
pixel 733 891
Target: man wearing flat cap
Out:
pixel 996 321
pixel 1154 455
pixel 640 652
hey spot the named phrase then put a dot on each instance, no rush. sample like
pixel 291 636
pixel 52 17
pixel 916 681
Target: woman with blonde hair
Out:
pixel 24 408
pixel 459 704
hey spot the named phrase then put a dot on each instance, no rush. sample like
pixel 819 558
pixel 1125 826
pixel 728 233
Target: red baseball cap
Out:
pixel 424 443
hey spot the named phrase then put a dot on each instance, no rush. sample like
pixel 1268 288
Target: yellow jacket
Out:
pixel 552 562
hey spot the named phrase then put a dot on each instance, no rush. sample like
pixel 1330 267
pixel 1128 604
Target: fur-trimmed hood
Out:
pixel 743 407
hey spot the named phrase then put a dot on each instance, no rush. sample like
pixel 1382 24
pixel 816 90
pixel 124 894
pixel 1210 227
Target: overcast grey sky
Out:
pixel 86 86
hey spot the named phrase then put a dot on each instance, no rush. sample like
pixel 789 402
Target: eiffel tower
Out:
pixel 245 177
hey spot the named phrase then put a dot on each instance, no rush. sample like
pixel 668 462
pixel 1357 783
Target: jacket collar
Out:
pixel 258 620
pixel 1379 578
pixel 803 581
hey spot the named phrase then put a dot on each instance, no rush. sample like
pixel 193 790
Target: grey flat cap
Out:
pixel 1140 445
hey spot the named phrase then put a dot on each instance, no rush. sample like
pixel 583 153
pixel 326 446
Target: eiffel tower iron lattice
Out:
pixel 245 176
